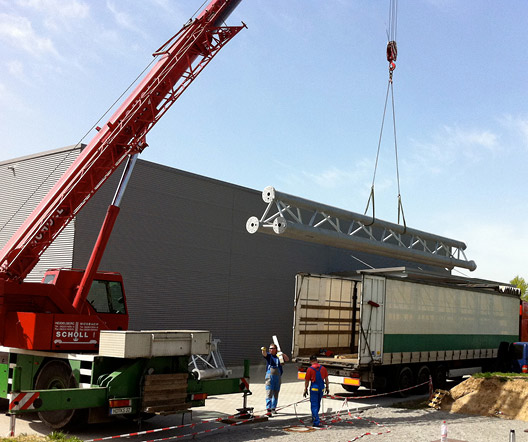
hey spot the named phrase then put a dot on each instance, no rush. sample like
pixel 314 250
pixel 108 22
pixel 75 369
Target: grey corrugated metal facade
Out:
pixel 186 258
pixel 23 183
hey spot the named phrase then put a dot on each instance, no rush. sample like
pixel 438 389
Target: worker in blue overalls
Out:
pixel 318 376
pixel 273 376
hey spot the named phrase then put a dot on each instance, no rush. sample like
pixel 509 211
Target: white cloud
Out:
pixel 471 137
pixel 15 103
pixel 329 178
pixel 496 245
pixel 348 188
pixel 57 14
pixel 166 5
pixel 15 68
pixel 19 32
pixel 518 126
pixel 123 19
pixel 359 173
pixel 72 9
pixel 453 144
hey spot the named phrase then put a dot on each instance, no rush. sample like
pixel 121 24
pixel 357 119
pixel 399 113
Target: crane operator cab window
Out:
pixel 107 297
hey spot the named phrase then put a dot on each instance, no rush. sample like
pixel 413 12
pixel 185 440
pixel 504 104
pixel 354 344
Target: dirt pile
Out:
pixel 501 397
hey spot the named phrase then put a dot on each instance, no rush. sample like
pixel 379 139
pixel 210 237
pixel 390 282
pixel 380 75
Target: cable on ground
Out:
pixel 326 421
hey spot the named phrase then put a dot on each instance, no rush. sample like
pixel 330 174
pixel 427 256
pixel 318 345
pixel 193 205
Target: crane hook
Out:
pixel 392 54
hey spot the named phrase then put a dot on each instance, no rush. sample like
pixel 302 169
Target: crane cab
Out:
pixel 40 316
pixel 106 292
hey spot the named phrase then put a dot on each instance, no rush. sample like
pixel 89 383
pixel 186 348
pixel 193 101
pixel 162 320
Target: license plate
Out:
pixel 121 410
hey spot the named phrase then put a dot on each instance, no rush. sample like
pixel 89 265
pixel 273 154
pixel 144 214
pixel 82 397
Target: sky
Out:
pixel 296 101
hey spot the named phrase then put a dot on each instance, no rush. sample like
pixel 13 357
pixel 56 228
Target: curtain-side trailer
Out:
pixel 393 328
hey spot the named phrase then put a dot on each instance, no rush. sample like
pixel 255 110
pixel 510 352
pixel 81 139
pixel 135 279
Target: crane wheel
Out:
pixel 57 374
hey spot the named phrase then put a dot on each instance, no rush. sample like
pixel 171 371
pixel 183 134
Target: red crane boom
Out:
pixel 180 60
pixel 68 309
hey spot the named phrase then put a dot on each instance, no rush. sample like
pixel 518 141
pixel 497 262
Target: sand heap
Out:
pixel 500 397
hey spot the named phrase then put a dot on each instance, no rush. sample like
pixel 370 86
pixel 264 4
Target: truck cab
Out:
pixel 519 357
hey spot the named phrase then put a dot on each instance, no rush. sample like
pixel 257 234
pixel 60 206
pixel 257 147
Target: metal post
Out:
pixel 512 435
pixel 244 401
pixel 354 319
pixel 12 423
pixel 431 388
pixel 245 412
pixel 246 368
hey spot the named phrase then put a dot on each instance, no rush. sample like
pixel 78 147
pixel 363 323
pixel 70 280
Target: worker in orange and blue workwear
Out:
pixel 273 376
pixel 318 376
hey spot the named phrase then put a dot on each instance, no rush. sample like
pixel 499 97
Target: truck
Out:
pixel 65 348
pixel 392 329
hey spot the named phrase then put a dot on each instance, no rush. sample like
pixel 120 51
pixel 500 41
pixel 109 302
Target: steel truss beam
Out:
pixel 305 220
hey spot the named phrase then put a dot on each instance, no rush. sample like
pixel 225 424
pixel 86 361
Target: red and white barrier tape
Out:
pixel 192 425
pixel 175 427
pixel 209 430
pixel 157 430
pixel 375 395
pixel 368 433
pixel 336 419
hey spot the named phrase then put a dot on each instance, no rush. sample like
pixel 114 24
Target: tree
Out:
pixel 520 283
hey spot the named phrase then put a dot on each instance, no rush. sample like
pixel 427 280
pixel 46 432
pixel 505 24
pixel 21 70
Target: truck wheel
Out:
pixel 440 377
pixel 57 375
pixel 423 376
pixel 350 388
pixel 405 380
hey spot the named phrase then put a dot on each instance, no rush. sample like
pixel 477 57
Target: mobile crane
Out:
pixel 65 351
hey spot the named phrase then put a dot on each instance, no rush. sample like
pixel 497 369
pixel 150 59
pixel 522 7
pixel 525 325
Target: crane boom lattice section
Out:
pixel 305 220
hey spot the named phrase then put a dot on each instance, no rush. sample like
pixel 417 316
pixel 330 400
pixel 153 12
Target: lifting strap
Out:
pixel 392 54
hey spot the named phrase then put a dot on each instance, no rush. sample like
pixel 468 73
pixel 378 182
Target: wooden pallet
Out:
pixel 165 393
pixel 438 396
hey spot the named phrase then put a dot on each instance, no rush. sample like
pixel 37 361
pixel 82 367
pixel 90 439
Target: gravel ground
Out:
pixel 394 424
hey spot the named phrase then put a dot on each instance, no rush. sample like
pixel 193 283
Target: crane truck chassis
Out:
pixel 390 329
pixel 134 373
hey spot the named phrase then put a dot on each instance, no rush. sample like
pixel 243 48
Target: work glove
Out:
pixel 305 394
pixel 262 348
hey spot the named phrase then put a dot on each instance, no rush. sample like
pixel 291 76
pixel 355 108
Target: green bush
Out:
pixel 501 376
pixel 52 437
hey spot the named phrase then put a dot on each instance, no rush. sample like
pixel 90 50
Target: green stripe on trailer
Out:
pixel 393 343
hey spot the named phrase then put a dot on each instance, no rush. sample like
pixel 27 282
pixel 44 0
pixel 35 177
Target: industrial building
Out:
pixel 181 244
